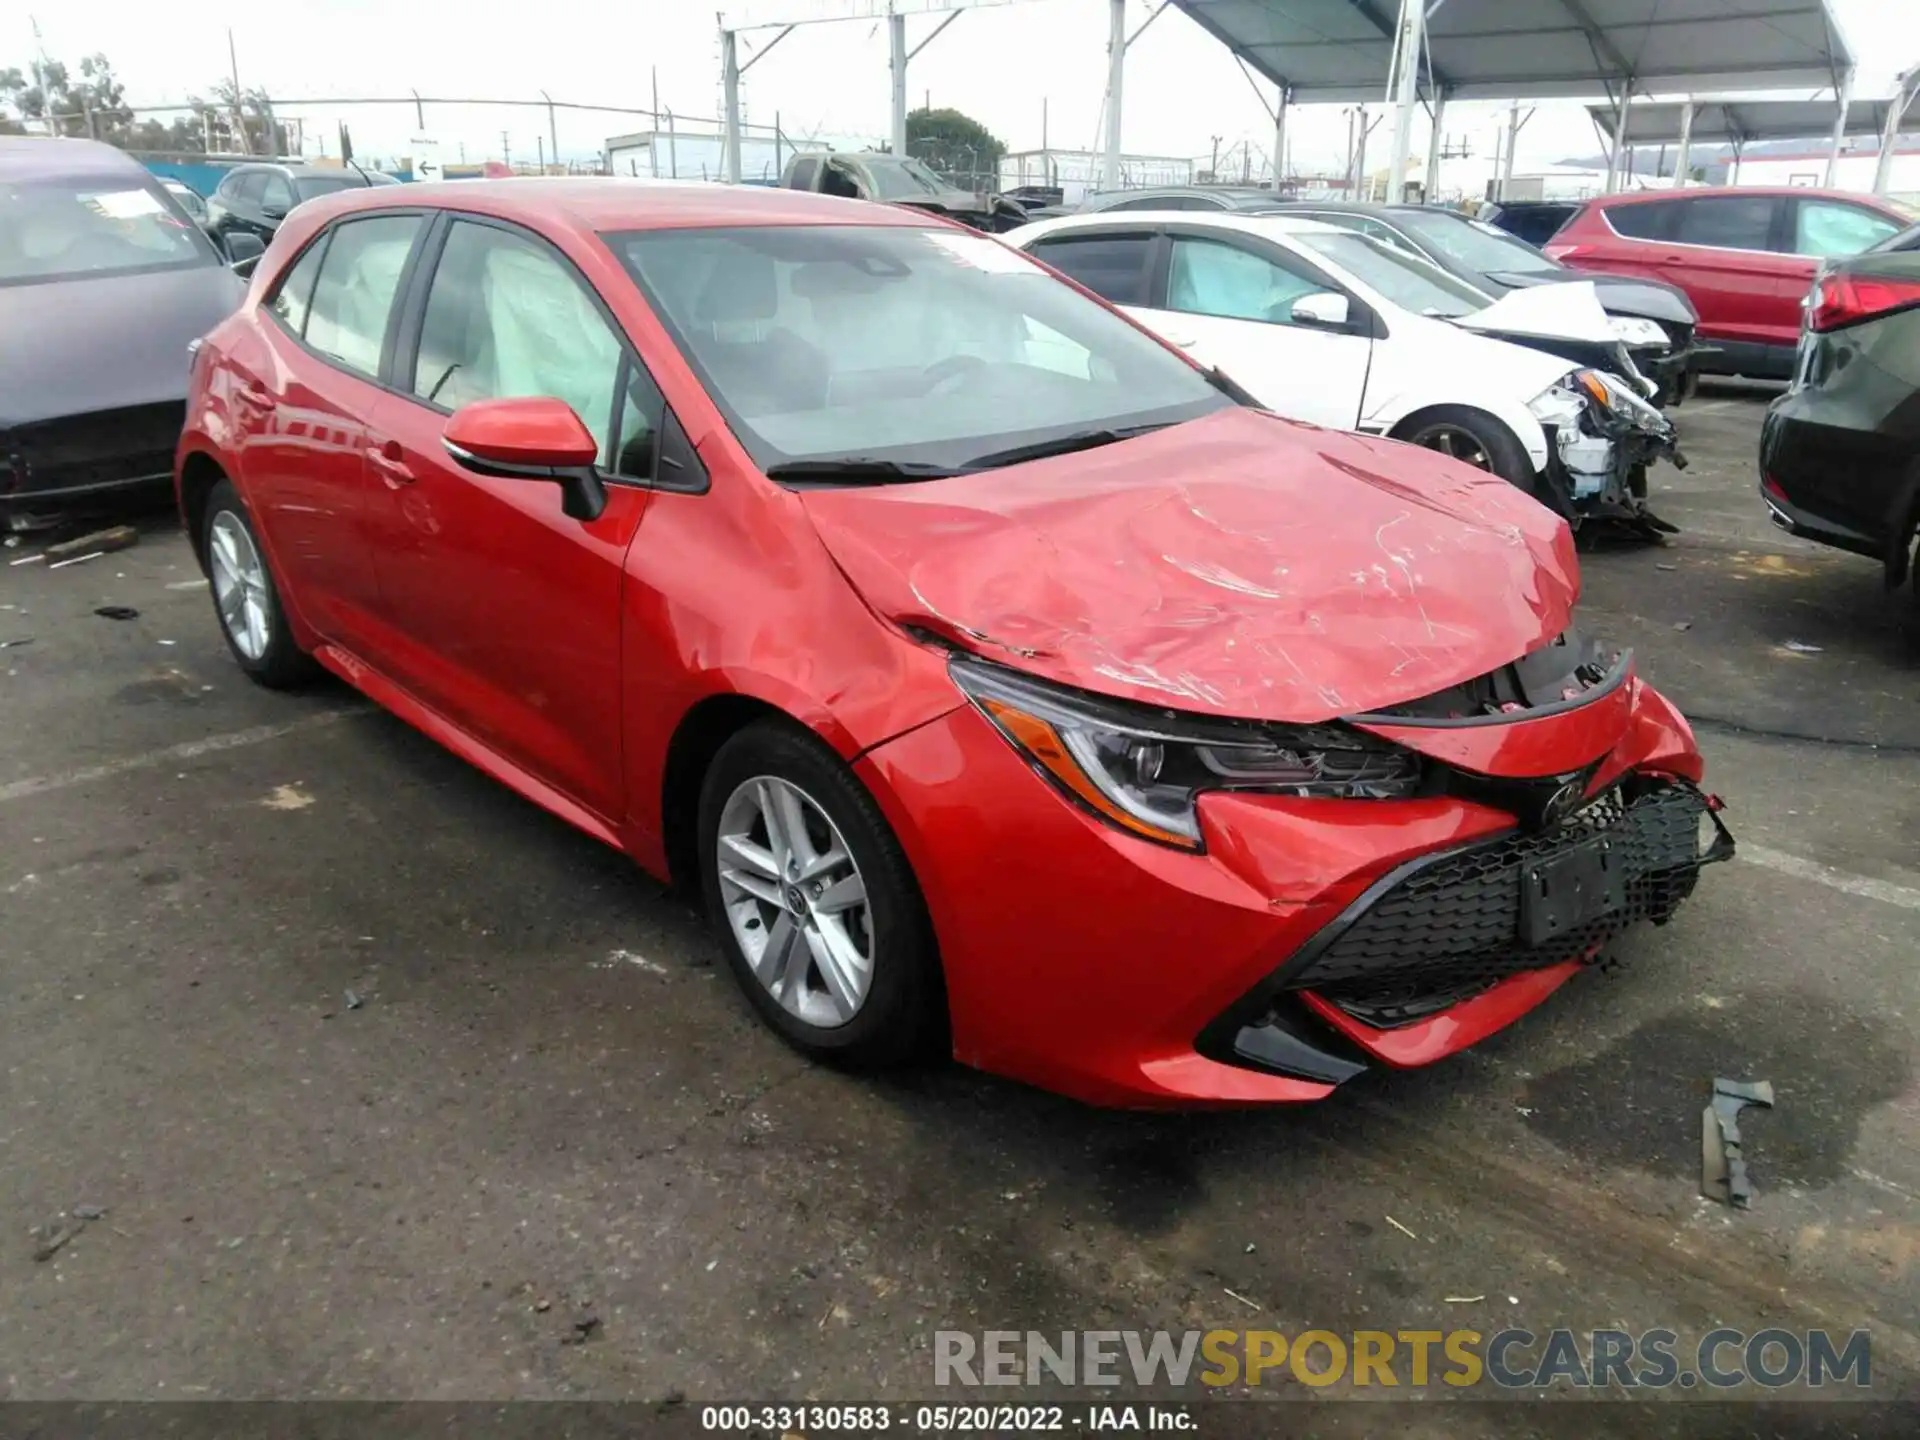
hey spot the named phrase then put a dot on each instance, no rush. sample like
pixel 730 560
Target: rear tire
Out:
pixel 246 601
pixel 814 903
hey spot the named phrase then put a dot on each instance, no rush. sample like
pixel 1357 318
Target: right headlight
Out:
pixel 1143 770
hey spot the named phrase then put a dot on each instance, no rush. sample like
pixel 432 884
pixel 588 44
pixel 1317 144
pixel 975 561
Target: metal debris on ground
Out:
pixel 582 1331
pixel 27 560
pixel 1723 1167
pixel 50 1237
pixel 76 560
pixel 117 612
pixel 1232 1294
pixel 1800 647
pixel 15 644
pixel 1663 565
pixel 98 542
pixel 89 1212
pixel 355 999
pixel 1683 625
pixel 1401 1228
pixel 1464 1299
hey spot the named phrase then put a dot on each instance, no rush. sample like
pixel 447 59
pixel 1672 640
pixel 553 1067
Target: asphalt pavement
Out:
pixel 387 1085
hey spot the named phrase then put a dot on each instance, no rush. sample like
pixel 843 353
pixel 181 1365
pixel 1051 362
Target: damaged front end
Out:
pixel 1602 437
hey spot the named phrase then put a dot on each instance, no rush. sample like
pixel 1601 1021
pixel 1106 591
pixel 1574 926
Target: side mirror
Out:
pixel 242 246
pixel 537 438
pixel 1323 310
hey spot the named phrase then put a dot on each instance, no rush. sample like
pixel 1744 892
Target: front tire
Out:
pixel 245 598
pixel 814 903
pixel 1474 438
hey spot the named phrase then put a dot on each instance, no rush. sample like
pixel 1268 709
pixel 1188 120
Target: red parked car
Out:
pixel 1000 679
pixel 1745 256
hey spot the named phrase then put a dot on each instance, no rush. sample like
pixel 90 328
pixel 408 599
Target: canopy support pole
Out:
pixel 1430 190
pixel 1116 78
pixel 730 90
pixel 897 66
pixel 1406 76
pixel 1844 100
pixel 1683 161
pixel 1619 137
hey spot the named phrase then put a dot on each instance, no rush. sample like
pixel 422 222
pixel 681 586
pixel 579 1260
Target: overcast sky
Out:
pixel 1000 64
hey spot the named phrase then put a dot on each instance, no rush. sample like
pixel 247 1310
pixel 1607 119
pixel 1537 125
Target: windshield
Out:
pixel 1473 246
pixel 902 179
pixel 307 187
pixel 1405 280
pixel 932 349
pixel 65 229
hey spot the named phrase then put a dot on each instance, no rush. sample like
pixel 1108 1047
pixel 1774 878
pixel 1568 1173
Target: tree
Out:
pixel 50 97
pixel 953 143
pixel 53 99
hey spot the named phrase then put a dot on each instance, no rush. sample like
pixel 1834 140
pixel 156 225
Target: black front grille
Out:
pixel 85 452
pixel 1443 927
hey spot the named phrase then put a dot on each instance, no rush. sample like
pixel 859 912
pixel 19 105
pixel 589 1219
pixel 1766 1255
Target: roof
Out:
pixel 596 203
pixel 1742 121
pixel 1695 192
pixel 37 155
pixel 1262 224
pixel 1340 50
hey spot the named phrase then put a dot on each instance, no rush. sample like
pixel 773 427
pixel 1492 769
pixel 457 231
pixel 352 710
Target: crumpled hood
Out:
pixel 1240 565
pixel 1621 295
pixel 72 347
pixel 1546 312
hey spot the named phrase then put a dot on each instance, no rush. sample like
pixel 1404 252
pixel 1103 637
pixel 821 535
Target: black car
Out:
pixel 1840 451
pixel 254 199
pixel 104 283
pixel 1495 262
pixel 1534 221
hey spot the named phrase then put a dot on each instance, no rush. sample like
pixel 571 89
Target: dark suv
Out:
pixel 255 198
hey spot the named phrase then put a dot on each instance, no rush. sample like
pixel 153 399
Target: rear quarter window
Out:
pixel 1114 267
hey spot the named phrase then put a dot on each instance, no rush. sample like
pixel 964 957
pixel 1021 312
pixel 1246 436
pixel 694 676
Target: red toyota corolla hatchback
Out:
pixel 1001 679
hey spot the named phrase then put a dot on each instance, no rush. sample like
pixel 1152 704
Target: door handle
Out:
pixel 387 459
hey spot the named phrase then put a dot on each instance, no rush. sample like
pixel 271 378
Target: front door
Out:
pixel 503 613
pixel 1233 307
pixel 1727 258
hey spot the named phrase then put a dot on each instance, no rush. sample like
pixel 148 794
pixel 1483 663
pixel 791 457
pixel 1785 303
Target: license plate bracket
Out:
pixel 1560 894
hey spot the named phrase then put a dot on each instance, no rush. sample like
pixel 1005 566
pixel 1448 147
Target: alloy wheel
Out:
pixel 795 900
pixel 1460 444
pixel 239 585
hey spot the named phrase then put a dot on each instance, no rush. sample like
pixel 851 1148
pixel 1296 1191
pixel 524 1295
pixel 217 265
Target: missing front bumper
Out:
pixel 1446 927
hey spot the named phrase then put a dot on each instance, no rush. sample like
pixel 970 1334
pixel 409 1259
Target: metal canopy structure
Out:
pixel 1341 50
pixel 1347 51
pixel 1740 123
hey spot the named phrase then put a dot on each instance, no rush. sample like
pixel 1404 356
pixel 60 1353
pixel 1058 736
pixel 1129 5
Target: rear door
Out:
pixel 1229 302
pixel 504 613
pixel 1728 254
pixel 303 384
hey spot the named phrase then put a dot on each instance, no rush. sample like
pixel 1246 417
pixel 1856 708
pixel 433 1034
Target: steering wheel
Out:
pixel 943 374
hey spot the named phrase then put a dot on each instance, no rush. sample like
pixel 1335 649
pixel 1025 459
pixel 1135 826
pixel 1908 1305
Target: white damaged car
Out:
pixel 1329 326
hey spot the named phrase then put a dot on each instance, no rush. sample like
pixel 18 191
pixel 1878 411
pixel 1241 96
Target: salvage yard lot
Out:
pixel 549 1105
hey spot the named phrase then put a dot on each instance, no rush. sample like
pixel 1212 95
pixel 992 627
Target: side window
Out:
pixel 251 186
pixel 505 317
pixel 276 192
pixel 1211 278
pixel 353 297
pixel 1728 222
pixel 805 172
pixel 1650 221
pixel 289 303
pixel 1114 267
pixel 638 439
pixel 1145 203
pixel 1830 229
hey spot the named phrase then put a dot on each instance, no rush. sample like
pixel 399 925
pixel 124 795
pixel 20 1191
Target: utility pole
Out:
pixel 506 150
pixel 1213 169
pixel 540 154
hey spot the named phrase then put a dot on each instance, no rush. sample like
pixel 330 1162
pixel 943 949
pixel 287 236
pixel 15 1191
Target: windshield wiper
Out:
pixel 856 470
pixel 1061 445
